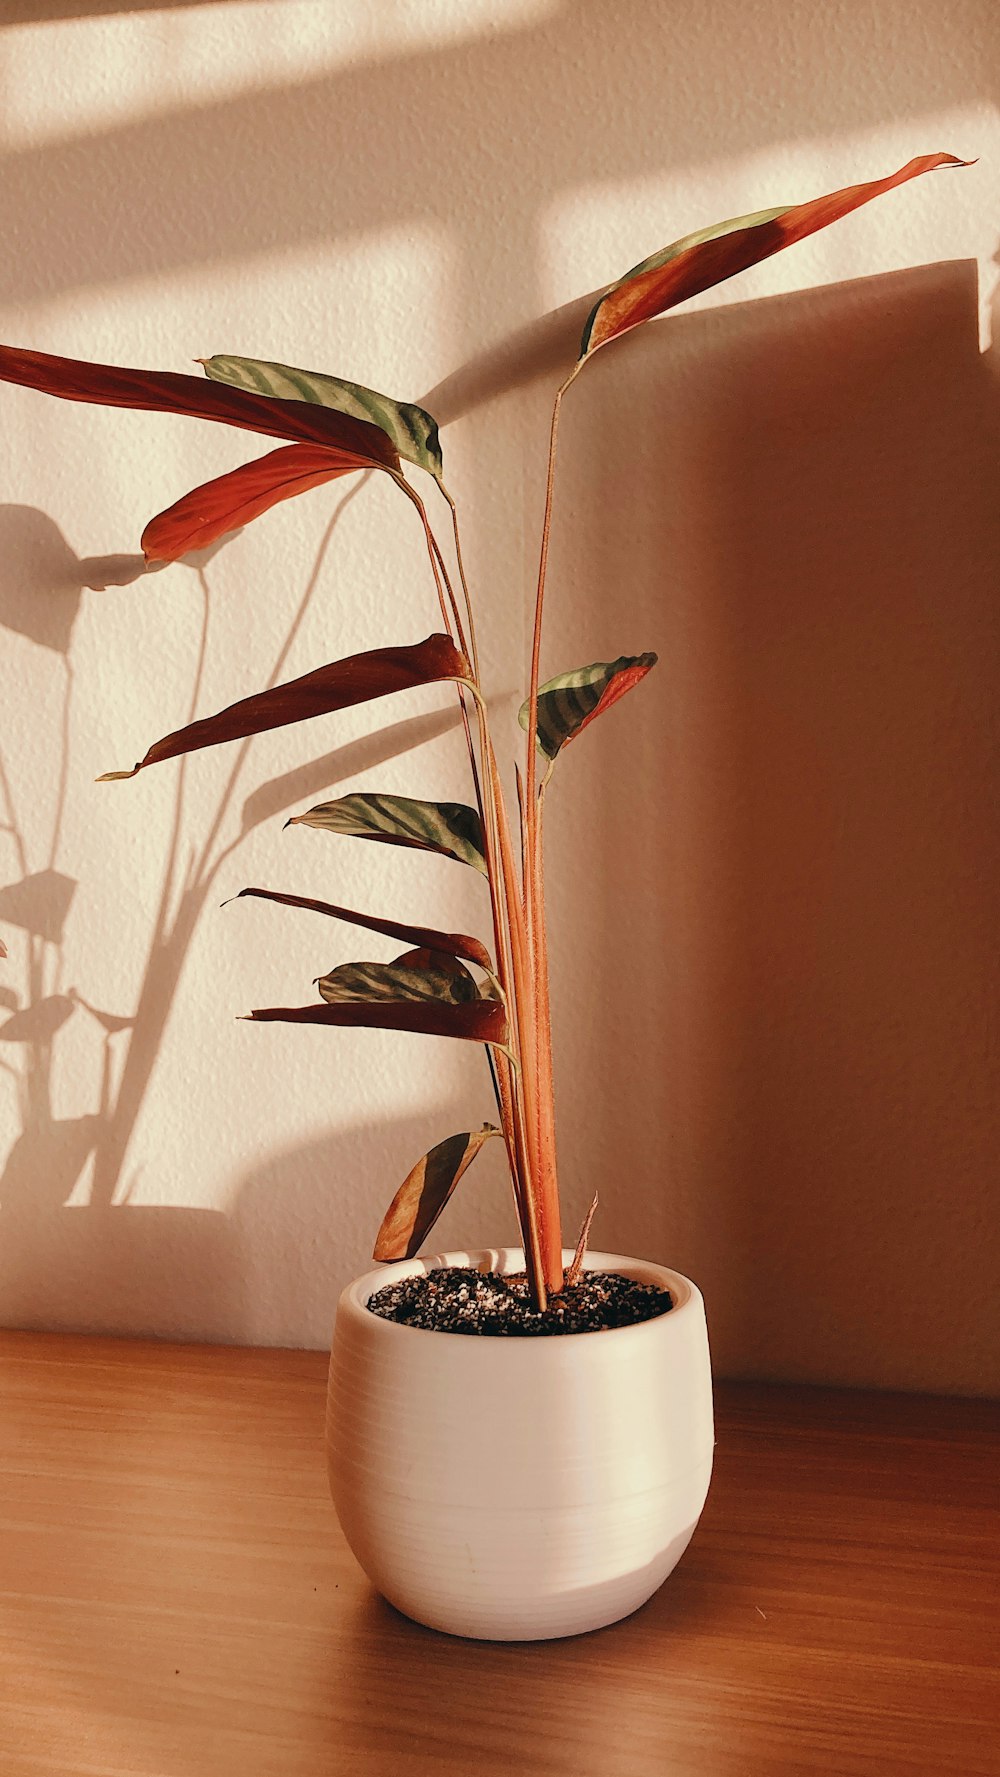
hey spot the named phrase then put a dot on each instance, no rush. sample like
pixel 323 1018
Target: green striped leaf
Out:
pixel 700 261
pixel 397 981
pixel 425 1191
pixel 447 963
pixel 448 827
pixel 412 430
pixel 567 704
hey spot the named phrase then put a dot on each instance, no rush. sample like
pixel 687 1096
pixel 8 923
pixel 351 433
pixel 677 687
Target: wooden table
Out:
pixel 176 1599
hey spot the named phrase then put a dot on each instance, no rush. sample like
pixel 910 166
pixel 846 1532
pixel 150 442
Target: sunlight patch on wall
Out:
pixel 372 307
pixel 591 237
pixel 127 69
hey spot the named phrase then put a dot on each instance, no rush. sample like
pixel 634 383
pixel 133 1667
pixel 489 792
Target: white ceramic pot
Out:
pixel 515 1489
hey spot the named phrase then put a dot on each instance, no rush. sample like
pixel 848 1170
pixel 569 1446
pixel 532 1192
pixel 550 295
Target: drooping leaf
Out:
pixel 223 505
pixel 449 827
pixel 411 429
pixel 379 982
pixel 425 1191
pixel 481 1021
pixel 166 391
pixel 359 678
pixel 425 937
pixel 700 261
pixel 3 948
pixel 567 704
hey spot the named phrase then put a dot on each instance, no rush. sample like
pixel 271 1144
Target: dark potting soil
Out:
pixel 456 1299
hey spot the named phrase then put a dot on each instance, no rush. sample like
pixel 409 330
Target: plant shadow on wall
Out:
pixel 109 1261
pixel 793 1017
pixel 787 1006
pixel 793 992
pixel 155 165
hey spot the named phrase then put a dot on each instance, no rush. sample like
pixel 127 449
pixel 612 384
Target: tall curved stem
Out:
pixel 540 1059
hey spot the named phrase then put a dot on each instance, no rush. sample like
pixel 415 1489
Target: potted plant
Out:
pixel 493 1482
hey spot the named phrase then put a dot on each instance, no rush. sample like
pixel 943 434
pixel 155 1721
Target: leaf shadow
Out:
pixel 101 1260
pixel 40 581
pixel 277 795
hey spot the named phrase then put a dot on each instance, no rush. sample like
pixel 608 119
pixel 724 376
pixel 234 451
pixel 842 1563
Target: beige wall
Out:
pixel 773 872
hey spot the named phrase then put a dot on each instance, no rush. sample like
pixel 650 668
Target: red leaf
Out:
pixel 425 937
pixel 478 1021
pixel 653 288
pixel 219 506
pixel 164 391
pixel 623 681
pixel 360 678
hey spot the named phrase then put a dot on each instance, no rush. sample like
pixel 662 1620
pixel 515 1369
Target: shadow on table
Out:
pixel 506 1687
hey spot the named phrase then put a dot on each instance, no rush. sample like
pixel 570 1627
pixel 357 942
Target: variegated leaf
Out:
pixel 358 678
pixel 397 981
pixel 422 958
pixel 567 704
pixel 700 261
pixel 480 1021
pixel 412 430
pixel 426 937
pixel 425 1191
pixel 449 827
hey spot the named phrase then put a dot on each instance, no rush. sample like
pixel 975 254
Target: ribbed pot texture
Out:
pixel 516 1489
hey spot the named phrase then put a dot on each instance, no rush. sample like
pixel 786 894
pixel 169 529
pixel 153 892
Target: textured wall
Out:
pixel 773 873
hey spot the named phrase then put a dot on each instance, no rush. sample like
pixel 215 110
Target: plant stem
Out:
pixel 527 1127
pixel 501 1092
pixel 510 1085
pixel 440 572
pixel 461 575
pixel 518 989
pixel 546 1176
pixel 543 1026
pixel 484 801
pixel 543 561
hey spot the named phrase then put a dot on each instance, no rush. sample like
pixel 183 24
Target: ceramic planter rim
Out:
pixel 355 1297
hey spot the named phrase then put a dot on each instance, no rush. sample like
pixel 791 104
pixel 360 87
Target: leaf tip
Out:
pixel 112 777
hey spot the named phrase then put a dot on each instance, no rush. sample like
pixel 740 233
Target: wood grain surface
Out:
pixel 176 1599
